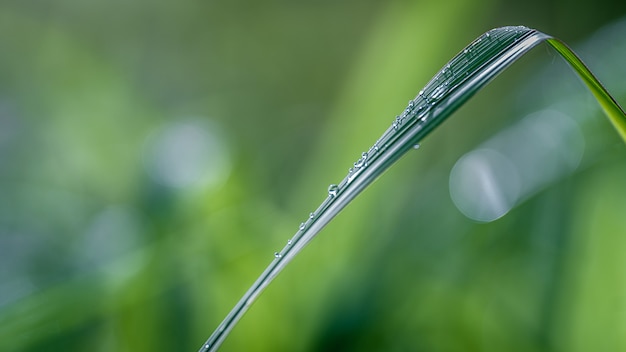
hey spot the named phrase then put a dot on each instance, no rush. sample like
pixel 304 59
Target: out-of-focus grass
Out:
pixel 98 252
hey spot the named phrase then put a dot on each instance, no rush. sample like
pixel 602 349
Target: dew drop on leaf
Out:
pixel 362 162
pixel 439 92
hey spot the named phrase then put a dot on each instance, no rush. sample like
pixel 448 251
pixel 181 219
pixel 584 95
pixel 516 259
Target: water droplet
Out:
pixel 362 162
pixel 373 150
pixel 332 190
pixel 289 242
pixel 469 54
pixel 447 72
pixel 302 226
pixel 439 92
pixel 277 255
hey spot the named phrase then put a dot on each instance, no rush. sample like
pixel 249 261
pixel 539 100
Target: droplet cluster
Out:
pixel 419 111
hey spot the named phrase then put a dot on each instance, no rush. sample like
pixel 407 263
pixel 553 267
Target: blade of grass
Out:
pixel 461 78
pixel 612 110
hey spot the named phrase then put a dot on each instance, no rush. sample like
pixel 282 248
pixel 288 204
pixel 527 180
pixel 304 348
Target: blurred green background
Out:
pixel 154 155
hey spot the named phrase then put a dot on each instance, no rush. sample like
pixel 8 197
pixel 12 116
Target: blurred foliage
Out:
pixel 154 155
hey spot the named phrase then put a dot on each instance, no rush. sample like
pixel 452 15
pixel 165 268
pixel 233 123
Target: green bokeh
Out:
pixel 98 251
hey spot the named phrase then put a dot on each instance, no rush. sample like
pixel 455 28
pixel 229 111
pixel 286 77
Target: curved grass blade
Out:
pixel 462 77
pixel 610 107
